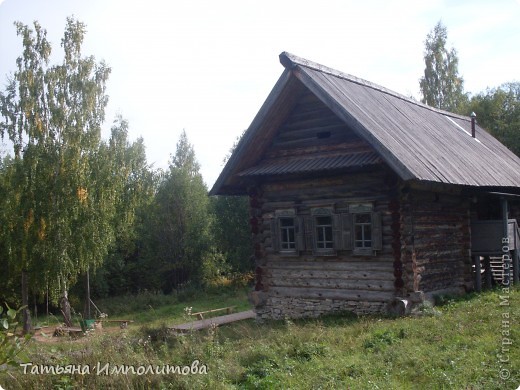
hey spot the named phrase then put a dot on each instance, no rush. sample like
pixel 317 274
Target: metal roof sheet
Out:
pixel 304 165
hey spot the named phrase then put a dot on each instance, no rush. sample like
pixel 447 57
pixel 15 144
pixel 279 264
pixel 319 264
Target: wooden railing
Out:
pixel 516 234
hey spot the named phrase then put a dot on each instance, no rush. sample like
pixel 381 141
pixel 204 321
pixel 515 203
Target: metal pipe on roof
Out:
pixel 473 120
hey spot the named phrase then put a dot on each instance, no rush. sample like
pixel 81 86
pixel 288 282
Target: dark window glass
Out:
pixel 363 230
pixel 324 232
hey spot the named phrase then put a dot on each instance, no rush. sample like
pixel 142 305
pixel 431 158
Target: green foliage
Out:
pixel 498 111
pixel 458 349
pixel 11 346
pixel 8 277
pixel 232 231
pixel 231 228
pixel 214 265
pixel 134 185
pixel 61 189
pixel 177 236
pixel 71 202
pixel 441 85
pixel 379 339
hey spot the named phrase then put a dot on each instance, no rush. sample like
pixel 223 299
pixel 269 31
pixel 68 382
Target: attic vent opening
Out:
pixel 323 134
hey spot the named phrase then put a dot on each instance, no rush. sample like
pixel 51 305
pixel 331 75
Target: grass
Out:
pixel 453 346
pixel 150 309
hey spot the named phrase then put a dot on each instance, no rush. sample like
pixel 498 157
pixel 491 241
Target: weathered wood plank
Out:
pixel 332 283
pixel 316 293
pixel 313 264
pixel 215 321
pixel 331 274
pixel 352 145
pixel 439 224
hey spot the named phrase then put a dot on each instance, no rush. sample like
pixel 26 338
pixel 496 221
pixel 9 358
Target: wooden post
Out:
pixel 506 269
pixel 478 274
pixel 47 302
pixel 488 275
pixel 88 295
pixel 27 324
pixel 516 261
pixel 35 308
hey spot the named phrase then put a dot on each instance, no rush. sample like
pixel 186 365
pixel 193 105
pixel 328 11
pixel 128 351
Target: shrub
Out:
pixel 11 345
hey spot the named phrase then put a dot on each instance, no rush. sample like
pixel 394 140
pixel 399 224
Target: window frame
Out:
pixel 277 234
pixel 356 209
pixel 323 231
pixel 320 212
pixel 342 231
pixel 363 226
pixel 287 229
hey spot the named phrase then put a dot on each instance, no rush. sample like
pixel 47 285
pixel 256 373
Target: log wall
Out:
pixel 305 285
pixel 435 250
pixel 425 234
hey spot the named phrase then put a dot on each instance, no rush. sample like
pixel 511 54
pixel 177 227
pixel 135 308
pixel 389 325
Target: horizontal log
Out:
pixel 352 145
pixel 331 274
pixel 332 265
pixel 310 122
pixel 310 132
pixel 322 293
pixel 334 192
pixel 434 263
pixel 343 284
pixel 353 180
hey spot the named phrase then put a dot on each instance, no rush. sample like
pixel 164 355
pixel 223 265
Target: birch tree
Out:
pixel 63 193
pixel 441 85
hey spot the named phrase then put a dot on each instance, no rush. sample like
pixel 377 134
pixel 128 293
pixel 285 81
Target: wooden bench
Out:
pixel 200 314
pixel 122 323
pixel 64 330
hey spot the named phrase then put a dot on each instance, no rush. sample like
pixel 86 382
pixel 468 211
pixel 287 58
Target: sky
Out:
pixel 207 66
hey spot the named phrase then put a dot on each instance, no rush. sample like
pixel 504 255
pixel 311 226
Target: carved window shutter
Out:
pixel 275 231
pixel 300 236
pixel 337 233
pixel 309 236
pixel 377 232
pixel 347 231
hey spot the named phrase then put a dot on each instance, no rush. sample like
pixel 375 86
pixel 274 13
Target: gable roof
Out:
pixel 418 142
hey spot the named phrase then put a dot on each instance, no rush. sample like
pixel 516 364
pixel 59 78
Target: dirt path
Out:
pixel 46 334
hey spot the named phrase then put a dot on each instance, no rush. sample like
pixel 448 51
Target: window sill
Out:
pixel 364 252
pixel 291 253
pixel 325 253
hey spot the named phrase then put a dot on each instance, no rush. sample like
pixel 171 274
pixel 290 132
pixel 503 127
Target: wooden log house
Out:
pixel 362 199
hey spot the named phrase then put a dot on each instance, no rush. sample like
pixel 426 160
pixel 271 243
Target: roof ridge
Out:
pixel 290 61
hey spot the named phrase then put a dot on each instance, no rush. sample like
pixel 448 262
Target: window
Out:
pixel 287 234
pixel 324 232
pixel 321 230
pixel 363 231
pixel 323 226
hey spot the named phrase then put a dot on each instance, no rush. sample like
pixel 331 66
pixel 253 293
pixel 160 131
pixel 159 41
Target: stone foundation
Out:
pixel 277 308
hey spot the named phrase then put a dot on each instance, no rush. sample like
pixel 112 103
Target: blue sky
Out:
pixel 207 66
